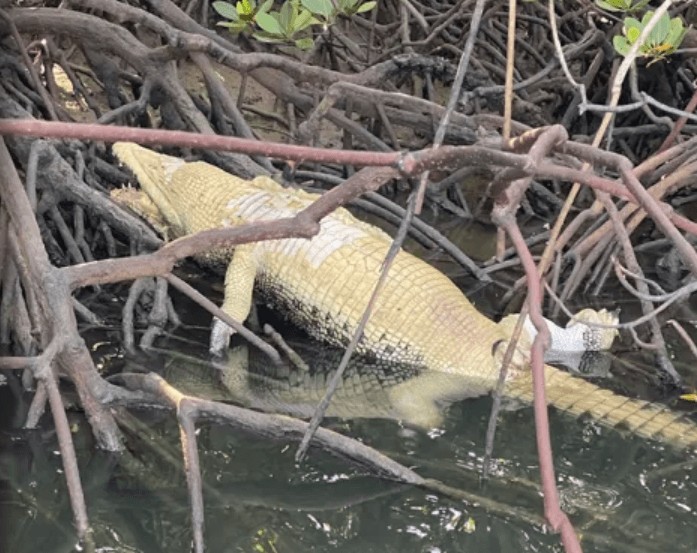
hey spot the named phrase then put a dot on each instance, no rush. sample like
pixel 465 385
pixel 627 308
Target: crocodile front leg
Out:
pixel 239 284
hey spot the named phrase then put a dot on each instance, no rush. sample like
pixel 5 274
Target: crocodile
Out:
pixel 421 318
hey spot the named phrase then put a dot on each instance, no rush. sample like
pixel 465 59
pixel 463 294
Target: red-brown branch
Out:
pixel 93 131
pixel 553 513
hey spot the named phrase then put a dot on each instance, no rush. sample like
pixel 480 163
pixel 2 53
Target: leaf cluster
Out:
pixel 627 6
pixel 287 24
pixel 663 40
pixel 242 15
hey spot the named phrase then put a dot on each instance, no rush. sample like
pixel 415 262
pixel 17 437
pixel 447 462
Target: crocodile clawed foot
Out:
pixel 220 338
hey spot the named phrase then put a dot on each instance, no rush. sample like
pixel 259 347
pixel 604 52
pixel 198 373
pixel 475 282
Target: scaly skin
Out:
pixel 421 318
pixel 322 284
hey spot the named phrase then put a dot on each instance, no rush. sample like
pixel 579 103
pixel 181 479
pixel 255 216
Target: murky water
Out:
pixel 622 493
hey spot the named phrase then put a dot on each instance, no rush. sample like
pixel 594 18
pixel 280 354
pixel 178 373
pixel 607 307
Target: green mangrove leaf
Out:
pixel 632 23
pixel 245 8
pixel 304 43
pixel 633 34
pixel 285 18
pixel 677 33
pixel 319 7
pixel 660 31
pixel 226 10
pixel 234 26
pixel 268 23
pixel 621 45
pixel 366 7
pixel 608 6
pixel 621 5
pixel 265 7
pixel 303 20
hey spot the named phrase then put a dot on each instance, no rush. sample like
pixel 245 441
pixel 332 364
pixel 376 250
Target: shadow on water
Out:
pixel 623 493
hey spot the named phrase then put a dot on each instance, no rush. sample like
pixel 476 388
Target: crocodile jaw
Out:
pixel 154 173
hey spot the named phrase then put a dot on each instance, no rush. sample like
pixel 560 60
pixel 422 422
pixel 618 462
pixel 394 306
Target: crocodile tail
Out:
pixel 580 397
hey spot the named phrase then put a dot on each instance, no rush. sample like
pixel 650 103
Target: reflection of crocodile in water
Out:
pixel 370 388
pixel 421 318
pixel 375 388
